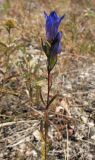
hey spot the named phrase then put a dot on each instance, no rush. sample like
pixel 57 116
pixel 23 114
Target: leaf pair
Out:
pixel 51 101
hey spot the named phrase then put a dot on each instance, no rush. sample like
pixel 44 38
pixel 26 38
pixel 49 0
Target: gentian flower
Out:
pixel 56 44
pixel 52 23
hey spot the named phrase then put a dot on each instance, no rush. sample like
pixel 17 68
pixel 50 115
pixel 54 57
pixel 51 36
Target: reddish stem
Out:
pixel 46 115
pixel 48 90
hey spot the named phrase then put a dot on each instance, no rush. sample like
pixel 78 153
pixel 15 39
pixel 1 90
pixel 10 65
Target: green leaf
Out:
pixel 52 60
pixel 53 98
pixel 46 48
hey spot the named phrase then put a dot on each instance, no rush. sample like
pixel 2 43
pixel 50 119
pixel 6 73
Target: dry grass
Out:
pixel 23 77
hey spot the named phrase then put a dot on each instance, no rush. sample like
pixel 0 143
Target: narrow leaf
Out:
pixel 46 48
pixel 53 98
pixel 52 62
pixel 42 98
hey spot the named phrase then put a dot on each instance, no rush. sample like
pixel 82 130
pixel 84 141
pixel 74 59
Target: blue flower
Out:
pixel 52 23
pixel 56 44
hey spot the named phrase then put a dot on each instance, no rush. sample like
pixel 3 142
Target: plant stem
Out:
pixel 46 132
pixel 46 115
pixel 48 90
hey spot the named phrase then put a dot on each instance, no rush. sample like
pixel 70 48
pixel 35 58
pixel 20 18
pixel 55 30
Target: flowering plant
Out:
pixel 51 47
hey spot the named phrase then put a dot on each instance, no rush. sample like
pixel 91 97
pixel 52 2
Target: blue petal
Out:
pixel 56 49
pixel 58 36
pixel 54 15
pixel 56 44
pixel 62 17
pixel 51 28
pixel 52 23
